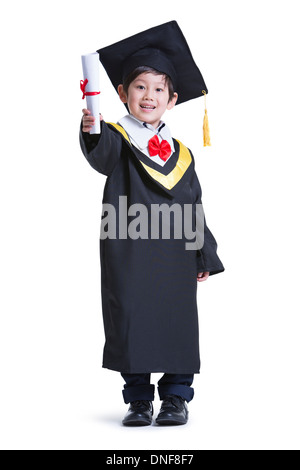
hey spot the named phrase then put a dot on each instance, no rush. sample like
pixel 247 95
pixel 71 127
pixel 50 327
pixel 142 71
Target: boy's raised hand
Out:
pixel 202 276
pixel 88 120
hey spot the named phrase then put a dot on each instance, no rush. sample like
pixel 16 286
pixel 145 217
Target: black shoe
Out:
pixel 173 411
pixel 139 414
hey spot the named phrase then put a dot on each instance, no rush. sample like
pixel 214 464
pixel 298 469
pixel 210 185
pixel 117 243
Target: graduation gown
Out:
pixel 148 286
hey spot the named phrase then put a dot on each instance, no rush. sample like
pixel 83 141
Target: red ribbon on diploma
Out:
pixel 83 84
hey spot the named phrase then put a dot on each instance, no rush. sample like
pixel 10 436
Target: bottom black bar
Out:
pixel 144 458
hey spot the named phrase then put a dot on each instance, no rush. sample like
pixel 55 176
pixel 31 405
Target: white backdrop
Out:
pixel 54 393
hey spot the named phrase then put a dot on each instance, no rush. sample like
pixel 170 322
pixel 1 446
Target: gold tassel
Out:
pixel 206 136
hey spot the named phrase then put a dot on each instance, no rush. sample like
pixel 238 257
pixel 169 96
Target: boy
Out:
pixel 149 280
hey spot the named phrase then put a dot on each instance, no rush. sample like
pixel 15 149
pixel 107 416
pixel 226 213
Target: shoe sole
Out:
pixel 169 422
pixel 137 423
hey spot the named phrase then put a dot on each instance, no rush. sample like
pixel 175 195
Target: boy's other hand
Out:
pixel 88 120
pixel 202 276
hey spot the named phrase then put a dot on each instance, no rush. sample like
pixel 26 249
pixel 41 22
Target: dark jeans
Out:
pixel 138 387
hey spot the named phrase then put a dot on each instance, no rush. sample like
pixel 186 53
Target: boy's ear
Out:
pixel 173 101
pixel 122 94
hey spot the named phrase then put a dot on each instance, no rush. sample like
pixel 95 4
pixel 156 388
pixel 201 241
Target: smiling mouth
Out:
pixel 147 107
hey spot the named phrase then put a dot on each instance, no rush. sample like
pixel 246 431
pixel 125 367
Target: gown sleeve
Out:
pixel 207 257
pixel 102 151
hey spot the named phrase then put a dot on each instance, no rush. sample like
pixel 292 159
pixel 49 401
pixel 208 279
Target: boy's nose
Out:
pixel 148 95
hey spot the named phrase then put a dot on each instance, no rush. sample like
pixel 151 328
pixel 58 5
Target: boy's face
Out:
pixel 148 98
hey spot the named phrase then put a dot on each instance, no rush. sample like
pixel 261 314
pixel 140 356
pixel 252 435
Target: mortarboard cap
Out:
pixel 163 48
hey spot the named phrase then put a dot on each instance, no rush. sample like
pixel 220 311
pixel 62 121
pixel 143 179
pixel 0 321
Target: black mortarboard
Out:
pixel 163 48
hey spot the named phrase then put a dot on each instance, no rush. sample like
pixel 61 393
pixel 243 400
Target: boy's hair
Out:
pixel 145 69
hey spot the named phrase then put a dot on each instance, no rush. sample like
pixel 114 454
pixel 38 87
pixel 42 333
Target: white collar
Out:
pixel 140 134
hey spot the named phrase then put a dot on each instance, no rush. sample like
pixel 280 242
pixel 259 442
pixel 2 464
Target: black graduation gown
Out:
pixel 149 286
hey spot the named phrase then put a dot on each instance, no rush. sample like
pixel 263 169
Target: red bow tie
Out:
pixel 162 149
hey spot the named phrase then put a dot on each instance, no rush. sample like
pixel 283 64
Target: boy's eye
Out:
pixel 159 89
pixel 141 87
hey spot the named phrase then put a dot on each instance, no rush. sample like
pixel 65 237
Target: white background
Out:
pixel 54 393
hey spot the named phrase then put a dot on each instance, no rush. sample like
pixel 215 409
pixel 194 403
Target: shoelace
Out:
pixel 140 404
pixel 174 400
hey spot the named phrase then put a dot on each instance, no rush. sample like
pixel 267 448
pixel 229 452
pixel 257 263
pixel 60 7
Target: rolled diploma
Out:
pixel 90 67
